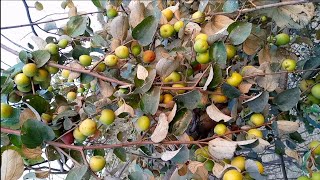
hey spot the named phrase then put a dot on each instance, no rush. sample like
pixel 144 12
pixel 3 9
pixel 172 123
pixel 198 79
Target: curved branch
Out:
pixel 29 16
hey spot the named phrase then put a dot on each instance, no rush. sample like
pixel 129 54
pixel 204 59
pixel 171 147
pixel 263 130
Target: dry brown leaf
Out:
pixel 287 127
pixel 119 27
pixel 165 66
pixel 192 28
pixel 72 11
pixel 268 82
pixel 137 13
pixel 198 170
pixel 105 88
pixel 209 79
pixel 26 114
pixel 218 170
pixel 182 170
pixel 42 174
pixel 216 115
pixel 255 41
pixel 115 43
pixel 142 72
pixel 125 108
pixel 216 24
pixel 73 74
pixel 294 154
pixel 12 166
pixel 31 153
pixel 264 55
pixel 244 87
pixel 161 131
pixel 172 113
pixel 261 147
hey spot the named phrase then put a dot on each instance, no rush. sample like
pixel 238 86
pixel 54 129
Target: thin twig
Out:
pixel 9 50
pixel 14 42
pixel 49 15
pixel 29 17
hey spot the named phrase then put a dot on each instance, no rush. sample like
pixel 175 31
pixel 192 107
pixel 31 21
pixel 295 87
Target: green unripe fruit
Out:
pixel 80 90
pixel 201 46
pixel 111 13
pixel 52 48
pixel 97 163
pixel 303 178
pixel 30 69
pixel 315 175
pixel 263 18
pixel 101 67
pixel 50 89
pixel 21 80
pixel 173 77
pixel 178 25
pixel 42 75
pixel 111 60
pixel 166 30
pixel 52 70
pixel 282 39
pixel 312 100
pixel 143 123
pixel 203 58
pixel 107 116
pixel 85 60
pixel 198 17
pixel 63 43
pixel 315 147
pixel 88 127
pixel 24 89
pixel 46 117
pixel 220 129
pixel 136 50
pixel 78 135
pixel 65 73
pixel 257 119
pixel 315 91
pixel 6 110
pixel 209 165
pixel 122 52
pixel 71 96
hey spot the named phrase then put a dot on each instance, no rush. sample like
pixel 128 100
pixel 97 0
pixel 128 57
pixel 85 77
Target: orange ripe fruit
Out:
pixel 149 56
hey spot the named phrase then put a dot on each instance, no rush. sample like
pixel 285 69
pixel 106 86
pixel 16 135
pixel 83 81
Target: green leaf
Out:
pixel 120 153
pixel 23 56
pixel 145 30
pixel 252 169
pixel 37 102
pixel 13 121
pixel 16 69
pixel 86 78
pixel 97 40
pixel 99 152
pixel 190 100
pixel 239 32
pixel 279 147
pixel 217 77
pixel 67 113
pixel 230 6
pixel 52 153
pixel 259 102
pixel 230 91
pixel 180 122
pixel 150 101
pixel 79 50
pixel 312 63
pixel 78 173
pixel 15 140
pixel 7 85
pixel 37 160
pixel 218 53
pixel 40 57
pixel 76 26
pixel 182 156
pixel 297 137
pixel 287 99
pixel 147 83
pixel 34 132
pixel 50 26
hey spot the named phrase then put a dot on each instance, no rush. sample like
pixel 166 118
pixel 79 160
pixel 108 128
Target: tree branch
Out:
pixel 29 17
pixel 14 42
pixel 9 49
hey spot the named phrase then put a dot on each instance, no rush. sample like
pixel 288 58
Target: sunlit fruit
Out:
pixel 88 127
pixel 30 69
pixel 143 123
pixel 235 79
pixel 282 39
pixel 220 129
pixel 260 167
pixel 198 17
pixel 168 14
pixel 239 162
pixel 136 49
pixel 107 116
pixel 65 73
pixel 6 110
pixel 78 135
pixel 122 52
pixel 201 36
pixel 166 30
pixel 201 46
pixel 167 98
pixel 21 80
pixel 218 97
pixel 46 117
pixel 203 58
pixel 111 60
pixel 52 48
pixel 111 13
pixel 315 91
pixel 85 60
pixel 315 175
pixel 63 43
pixel 232 175
pixel 263 19
pixel 14 97
pixel 254 134
pixel 179 86
pixel 173 77
pixel 178 25
pixel 209 165
pixel 257 119
pixel 100 67
pixel 97 163
pixel 24 89
pixel 231 51
pixel 41 75
pixel 289 64
pixel 312 100
pixel 149 56
pixel 68 138
pixel 315 147
pixel 51 70
pixel 303 178
pixel 71 96
pixel 305 84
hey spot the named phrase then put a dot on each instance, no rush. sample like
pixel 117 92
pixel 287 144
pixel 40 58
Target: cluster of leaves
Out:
pixel 134 88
